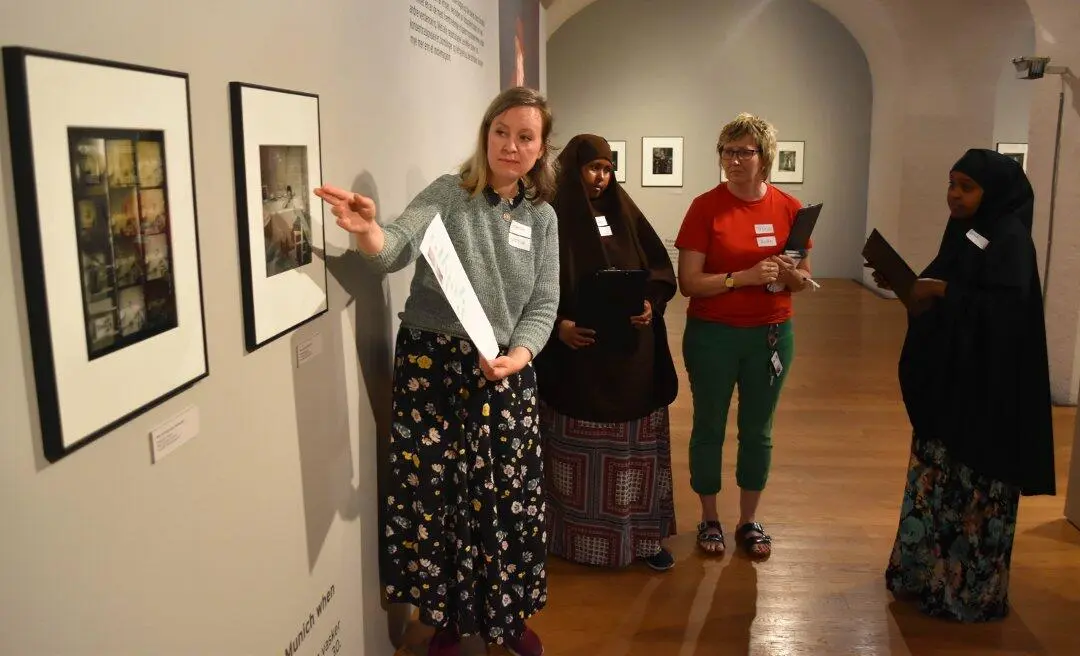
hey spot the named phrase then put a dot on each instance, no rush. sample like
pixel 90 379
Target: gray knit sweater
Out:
pixel 518 289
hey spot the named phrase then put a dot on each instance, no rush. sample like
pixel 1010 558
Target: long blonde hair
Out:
pixel 761 130
pixel 540 180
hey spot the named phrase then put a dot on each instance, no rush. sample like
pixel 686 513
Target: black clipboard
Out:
pixel 886 261
pixel 606 301
pixel 802 227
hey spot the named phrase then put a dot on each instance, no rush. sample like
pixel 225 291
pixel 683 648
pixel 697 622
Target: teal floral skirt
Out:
pixel 954 543
pixel 464 513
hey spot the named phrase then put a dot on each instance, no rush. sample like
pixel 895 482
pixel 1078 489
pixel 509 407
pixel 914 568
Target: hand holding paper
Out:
pixel 505 365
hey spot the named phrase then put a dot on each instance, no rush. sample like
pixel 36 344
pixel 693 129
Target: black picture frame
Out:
pixel 286 291
pixel 83 392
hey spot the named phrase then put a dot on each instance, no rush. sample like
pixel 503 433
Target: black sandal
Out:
pixel 751 535
pixel 704 537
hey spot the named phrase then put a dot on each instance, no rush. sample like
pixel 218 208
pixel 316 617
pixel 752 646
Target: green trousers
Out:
pixel 718 357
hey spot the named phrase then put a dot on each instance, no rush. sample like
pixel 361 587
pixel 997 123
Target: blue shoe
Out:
pixel 661 561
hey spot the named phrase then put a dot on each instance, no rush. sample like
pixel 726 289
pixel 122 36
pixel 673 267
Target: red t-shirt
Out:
pixel 734 235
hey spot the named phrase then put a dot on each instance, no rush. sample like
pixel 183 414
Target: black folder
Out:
pixel 886 261
pixel 606 301
pixel 802 227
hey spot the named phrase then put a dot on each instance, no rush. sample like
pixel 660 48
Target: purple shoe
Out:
pixel 444 643
pixel 526 644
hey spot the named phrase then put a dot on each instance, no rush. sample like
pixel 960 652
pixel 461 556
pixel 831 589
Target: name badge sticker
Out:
pixel 763 229
pixel 520 229
pixel 521 243
pixel 977 239
pixel 766 242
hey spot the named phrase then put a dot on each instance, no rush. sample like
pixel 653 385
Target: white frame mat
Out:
pixel 673 179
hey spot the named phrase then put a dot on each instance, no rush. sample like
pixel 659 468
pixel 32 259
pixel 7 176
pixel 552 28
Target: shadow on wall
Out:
pixel 328 468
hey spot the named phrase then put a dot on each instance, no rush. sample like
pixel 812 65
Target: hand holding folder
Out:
pixel 798 240
pixel 884 259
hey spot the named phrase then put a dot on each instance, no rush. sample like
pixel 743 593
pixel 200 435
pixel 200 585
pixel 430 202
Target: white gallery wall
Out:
pixel 230 544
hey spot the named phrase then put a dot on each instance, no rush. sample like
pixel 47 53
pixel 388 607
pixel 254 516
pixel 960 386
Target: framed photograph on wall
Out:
pixel 1017 151
pixel 105 197
pixel 661 161
pixel 618 152
pixel 788 165
pixel 277 159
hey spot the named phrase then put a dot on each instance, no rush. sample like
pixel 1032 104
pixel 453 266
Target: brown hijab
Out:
pixel 591 383
pixel 633 245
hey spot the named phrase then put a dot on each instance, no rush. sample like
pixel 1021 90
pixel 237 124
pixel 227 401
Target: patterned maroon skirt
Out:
pixel 608 487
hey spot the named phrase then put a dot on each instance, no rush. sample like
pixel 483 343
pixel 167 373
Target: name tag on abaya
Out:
pixel 977 239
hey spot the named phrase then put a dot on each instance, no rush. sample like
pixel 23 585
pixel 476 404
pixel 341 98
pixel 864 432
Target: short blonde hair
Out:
pixel 761 130
pixel 540 180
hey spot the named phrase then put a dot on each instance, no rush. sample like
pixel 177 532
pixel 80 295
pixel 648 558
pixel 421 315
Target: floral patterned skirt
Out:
pixel 954 543
pixel 464 509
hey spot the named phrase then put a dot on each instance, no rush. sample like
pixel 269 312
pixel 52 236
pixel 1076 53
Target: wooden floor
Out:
pixel 840 452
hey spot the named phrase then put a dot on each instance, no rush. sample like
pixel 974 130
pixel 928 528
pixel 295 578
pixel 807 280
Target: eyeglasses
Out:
pixel 737 153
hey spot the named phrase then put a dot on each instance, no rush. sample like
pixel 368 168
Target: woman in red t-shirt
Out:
pixel 738 329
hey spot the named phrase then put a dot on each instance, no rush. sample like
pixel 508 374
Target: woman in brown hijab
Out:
pixel 604 397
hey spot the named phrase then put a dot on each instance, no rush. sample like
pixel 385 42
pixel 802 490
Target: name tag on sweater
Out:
pixel 520 243
pixel 520 229
pixel 766 242
pixel 763 228
pixel 977 239
pixel 520 236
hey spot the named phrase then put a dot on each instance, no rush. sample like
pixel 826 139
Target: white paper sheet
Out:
pixel 439 252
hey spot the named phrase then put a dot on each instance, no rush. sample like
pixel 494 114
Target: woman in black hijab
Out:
pixel 975 380
pixel 604 397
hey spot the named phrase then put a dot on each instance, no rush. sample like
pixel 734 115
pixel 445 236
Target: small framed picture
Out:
pixel 1017 151
pixel 618 154
pixel 277 161
pixel 661 161
pixel 104 191
pixel 788 165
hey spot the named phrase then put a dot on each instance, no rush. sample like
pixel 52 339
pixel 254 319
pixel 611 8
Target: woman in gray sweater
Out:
pixel 465 506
